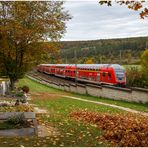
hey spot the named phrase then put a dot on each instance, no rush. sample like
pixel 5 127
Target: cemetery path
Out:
pixel 106 104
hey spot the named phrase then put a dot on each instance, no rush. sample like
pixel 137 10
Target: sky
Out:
pixel 90 21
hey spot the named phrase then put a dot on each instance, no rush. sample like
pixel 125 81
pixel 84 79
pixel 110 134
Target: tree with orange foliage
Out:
pixel 25 29
pixel 133 4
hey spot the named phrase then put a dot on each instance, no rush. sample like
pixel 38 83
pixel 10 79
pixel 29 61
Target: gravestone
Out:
pixel 1 88
pixel 4 87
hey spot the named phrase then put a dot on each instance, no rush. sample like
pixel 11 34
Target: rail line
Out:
pixel 40 77
pixel 53 78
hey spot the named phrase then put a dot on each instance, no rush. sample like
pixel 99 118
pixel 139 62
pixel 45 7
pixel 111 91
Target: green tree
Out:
pixel 144 64
pixel 25 29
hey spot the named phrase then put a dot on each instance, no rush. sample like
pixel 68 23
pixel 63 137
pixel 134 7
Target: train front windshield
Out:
pixel 120 74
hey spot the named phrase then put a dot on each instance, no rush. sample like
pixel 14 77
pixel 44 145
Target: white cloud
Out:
pixel 91 21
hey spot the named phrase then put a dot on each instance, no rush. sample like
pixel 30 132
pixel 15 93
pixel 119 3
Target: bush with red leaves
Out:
pixel 123 130
pixel 25 89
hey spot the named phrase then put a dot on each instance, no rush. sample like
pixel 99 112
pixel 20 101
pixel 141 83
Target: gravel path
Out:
pixel 106 104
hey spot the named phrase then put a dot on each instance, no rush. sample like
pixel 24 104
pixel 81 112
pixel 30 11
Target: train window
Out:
pixel 109 75
pixel 103 74
pixel 98 76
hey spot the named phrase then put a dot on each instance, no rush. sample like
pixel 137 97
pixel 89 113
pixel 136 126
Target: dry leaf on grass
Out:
pixel 124 130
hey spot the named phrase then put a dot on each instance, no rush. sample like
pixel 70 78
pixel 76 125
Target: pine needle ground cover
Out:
pixel 76 130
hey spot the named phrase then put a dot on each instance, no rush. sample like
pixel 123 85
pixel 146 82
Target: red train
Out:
pixel 111 74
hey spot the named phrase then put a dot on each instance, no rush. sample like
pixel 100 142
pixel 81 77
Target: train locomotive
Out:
pixel 108 74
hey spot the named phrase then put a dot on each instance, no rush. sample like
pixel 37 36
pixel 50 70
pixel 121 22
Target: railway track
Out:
pixel 108 91
pixel 56 79
pixel 47 77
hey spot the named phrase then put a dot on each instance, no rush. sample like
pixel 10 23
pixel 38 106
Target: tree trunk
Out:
pixel 12 84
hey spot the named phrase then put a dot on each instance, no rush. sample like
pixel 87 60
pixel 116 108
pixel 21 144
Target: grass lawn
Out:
pixel 71 132
pixel 36 87
pixel 131 105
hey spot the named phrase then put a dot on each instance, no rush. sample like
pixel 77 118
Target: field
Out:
pixel 70 132
pixel 130 66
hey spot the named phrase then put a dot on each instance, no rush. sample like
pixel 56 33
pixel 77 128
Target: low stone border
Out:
pixel 18 132
pixel 22 131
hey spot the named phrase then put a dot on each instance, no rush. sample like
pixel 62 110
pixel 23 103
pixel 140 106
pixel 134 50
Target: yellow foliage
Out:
pixel 89 61
pixel 144 62
pixel 28 30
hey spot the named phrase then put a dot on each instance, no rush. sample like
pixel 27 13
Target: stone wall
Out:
pixel 94 90
pixel 116 93
pixel 81 89
pixel 73 88
pixel 139 95
pixel 110 92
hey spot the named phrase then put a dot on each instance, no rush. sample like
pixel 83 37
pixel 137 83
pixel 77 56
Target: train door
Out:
pixel 104 76
pixel 109 77
pixel 98 77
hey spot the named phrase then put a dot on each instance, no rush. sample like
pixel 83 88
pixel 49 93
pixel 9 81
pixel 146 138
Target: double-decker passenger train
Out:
pixel 111 74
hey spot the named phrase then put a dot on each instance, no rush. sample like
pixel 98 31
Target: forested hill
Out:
pixel 126 50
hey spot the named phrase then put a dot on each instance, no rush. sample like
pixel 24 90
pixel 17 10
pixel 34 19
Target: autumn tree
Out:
pixel 144 64
pixel 28 29
pixel 131 4
pixel 89 61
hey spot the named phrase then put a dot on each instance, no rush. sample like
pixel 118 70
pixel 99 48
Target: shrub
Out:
pixel 136 78
pixel 25 89
pixel 19 94
pixel 17 119
pixel 144 65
